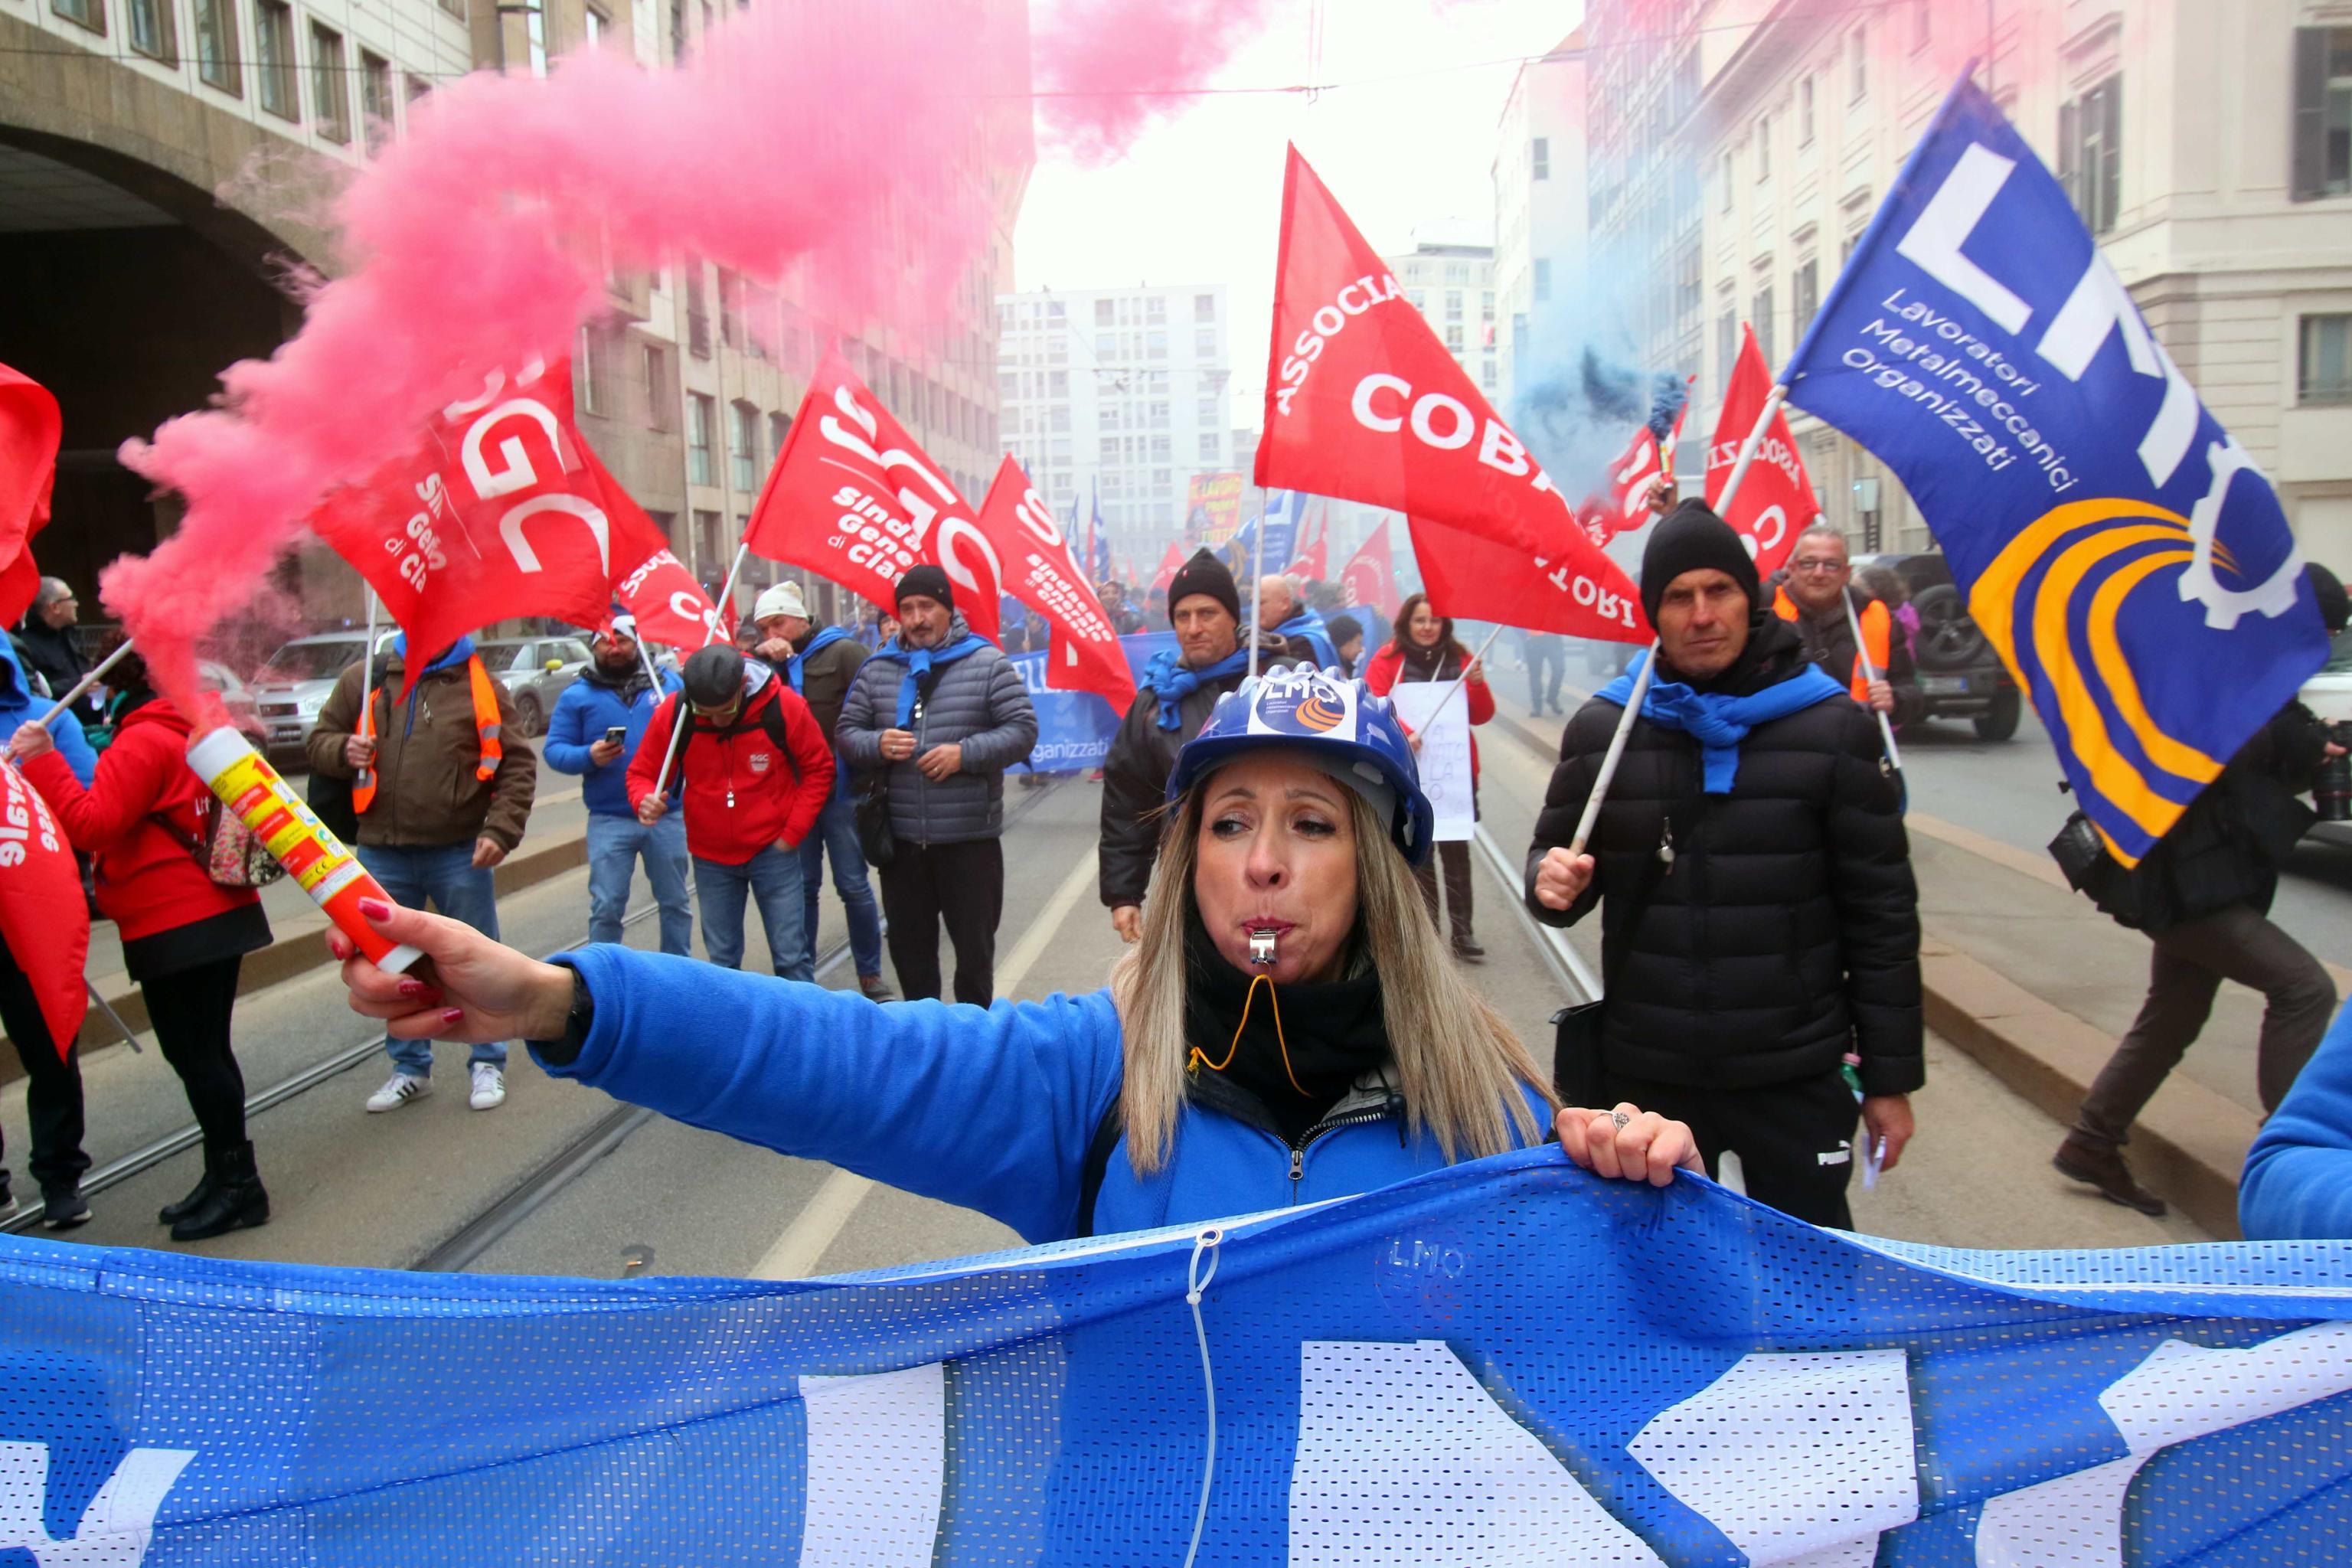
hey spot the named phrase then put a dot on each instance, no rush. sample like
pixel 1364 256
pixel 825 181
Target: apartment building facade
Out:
pixel 1541 211
pixel 1449 276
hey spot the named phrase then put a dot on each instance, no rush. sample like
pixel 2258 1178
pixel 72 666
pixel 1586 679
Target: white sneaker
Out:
pixel 398 1091
pixel 489 1087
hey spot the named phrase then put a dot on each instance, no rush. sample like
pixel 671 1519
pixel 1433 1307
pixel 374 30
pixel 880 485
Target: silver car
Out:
pixel 288 691
pixel 536 670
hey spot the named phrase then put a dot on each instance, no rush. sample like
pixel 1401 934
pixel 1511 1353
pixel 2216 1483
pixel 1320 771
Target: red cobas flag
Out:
pixel 29 427
pixel 1624 506
pixel 1370 576
pixel 43 914
pixel 1041 569
pixel 495 514
pixel 1471 578
pixel 1776 501
pixel 1364 402
pixel 854 499
pixel 651 583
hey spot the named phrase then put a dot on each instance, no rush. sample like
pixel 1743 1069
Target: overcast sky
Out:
pixel 1408 138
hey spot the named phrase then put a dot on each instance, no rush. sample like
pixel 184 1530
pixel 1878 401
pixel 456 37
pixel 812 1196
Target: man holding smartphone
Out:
pixel 595 731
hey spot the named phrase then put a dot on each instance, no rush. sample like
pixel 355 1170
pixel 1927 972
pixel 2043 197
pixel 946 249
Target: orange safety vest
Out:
pixel 1878 641
pixel 487 729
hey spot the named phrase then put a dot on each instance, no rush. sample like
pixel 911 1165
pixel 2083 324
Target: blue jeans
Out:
pixel 446 874
pixel 773 878
pixel 614 843
pixel 836 832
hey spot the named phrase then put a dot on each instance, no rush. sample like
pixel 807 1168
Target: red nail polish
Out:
pixel 417 991
pixel 453 1015
pixel 375 908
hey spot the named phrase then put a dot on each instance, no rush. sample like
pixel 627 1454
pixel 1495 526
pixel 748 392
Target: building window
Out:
pixel 701 415
pixel 1804 298
pixel 376 100
pixel 1760 317
pixel 658 387
pixel 1204 343
pixel 1206 413
pixel 273 38
pixel 1208 446
pixel 413 88
pixel 1763 146
pixel 592 24
pixel 216 51
pixel 2323 113
pixel 698 314
pixel 730 309
pixel 1919 24
pixel 744 448
pixel 2090 153
pixel 1058 383
pixel 2324 371
pixel 708 544
pixel 91 14
pixel 152 33
pixel 1727 345
pixel 588 389
pixel 780 426
pixel 1205 308
pixel 1805 113
pixel 1106 313
pixel 1723 182
pixel 330 95
pixel 1543 279
pixel 1454 304
pixel 455 7
pixel 534 33
pixel 1487 305
pixel 1857 63
pixel 1539 159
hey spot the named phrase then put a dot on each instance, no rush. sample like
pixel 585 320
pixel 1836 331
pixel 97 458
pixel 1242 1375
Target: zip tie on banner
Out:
pixel 1204 1246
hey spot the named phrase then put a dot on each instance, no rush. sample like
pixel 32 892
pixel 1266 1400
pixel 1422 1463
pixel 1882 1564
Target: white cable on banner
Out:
pixel 1204 1245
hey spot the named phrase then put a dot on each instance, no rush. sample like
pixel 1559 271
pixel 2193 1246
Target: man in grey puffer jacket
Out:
pixel 944 713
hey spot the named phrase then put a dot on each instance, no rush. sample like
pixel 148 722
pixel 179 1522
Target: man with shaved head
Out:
pixel 1288 627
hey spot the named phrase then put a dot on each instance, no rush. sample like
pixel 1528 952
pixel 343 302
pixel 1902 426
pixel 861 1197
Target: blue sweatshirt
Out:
pixel 17 704
pixel 2298 1180
pixel 585 711
pixel 993 1109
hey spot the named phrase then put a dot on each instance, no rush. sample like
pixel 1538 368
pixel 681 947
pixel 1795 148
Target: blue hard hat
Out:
pixel 1339 723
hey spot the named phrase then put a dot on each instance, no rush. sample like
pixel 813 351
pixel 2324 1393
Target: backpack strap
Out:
pixel 771 719
pixel 1109 1132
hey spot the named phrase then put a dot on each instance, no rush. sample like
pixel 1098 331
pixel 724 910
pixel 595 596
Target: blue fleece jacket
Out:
pixel 17 704
pixel 2298 1180
pixel 993 1109
pixel 585 711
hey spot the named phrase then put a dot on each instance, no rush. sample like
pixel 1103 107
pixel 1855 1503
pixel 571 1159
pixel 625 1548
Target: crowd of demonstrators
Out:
pixel 595 730
pixel 1124 618
pixel 1175 1094
pixel 1346 635
pixel 935 717
pixel 142 818
pixel 2202 895
pixel 51 656
pixel 1759 923
pixel 1287 627
pixel 751 771
pixel 1817 595
pixel 1421 647
pixel 1172 702
pixel 1545 655
pixel 439 799
pixel 819 663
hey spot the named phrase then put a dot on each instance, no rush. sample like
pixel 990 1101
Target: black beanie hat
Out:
pixel 1691 539
pixel 1204 573
pixel 713 676
pixel 930 582
pixel 1342 629
pixel 2335 605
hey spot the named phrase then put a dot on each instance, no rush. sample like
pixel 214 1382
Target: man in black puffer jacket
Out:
pixel 1760 921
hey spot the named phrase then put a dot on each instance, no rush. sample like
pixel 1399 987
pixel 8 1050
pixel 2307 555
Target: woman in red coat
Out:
pixel 183 935
pixel 1423 649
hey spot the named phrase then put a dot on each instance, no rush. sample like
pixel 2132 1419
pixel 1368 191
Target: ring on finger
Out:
pixel 1619 1118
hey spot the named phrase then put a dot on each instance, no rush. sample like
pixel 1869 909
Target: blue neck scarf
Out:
pixel 826 639
pixel 1719 723
pixel 921 661
pixel 1308 624
pixel 1171 682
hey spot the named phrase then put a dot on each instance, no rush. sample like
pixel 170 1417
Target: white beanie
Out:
pixel 784 599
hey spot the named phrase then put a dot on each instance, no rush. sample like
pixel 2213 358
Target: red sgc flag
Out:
pixel 1370 576
pixel 1041 571
pixel 494 514
pixel 1776 501
pixel 1169 564
pixel 649 582
pixel 1363 402
pixel 30 426
pixel 1471 578
pixel 43 914
pixel 854 499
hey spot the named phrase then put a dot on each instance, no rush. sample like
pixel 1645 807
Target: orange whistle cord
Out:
pixel 1201 1060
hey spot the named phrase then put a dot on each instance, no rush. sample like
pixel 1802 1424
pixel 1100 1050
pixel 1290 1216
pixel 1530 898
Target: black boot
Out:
pixel 172 1213
pixel 236 1201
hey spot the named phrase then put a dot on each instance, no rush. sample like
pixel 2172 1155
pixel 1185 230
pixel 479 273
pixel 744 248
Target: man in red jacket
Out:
pixel 752 773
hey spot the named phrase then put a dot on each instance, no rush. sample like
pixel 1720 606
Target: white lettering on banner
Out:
pixel 24 815
pixel 492 385
pixel 877 1469
pixel 955 534
pixel 1038 518
pixel 2097 309
pixel 1770 524
pixel 1443 758
pixel 1403 1456
pixel 1327 323
pixel 1754 1453
pixel 419 552
pixel 517 474
pixel 117 1526
pixel 1587 594
pixel 587 512
pixel 1443 422
pixel 2180 1392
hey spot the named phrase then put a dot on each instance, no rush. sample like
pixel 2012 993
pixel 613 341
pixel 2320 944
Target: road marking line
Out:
pixel 816 1228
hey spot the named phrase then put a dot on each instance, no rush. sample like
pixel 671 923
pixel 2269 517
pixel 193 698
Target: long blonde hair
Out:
pixel 1461 1066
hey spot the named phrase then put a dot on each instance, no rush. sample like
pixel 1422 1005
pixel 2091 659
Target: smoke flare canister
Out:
pixel 306 847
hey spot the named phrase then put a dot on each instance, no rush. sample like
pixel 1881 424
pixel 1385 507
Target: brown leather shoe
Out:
pixel 876 988
pixel 2104 1168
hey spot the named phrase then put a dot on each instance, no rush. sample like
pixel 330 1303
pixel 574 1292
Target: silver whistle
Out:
pixel 1262 949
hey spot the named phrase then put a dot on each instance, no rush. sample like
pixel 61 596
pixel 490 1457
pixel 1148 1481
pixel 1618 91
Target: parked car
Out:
pixel 1960 676
pixel 536 670
pixel 288 691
